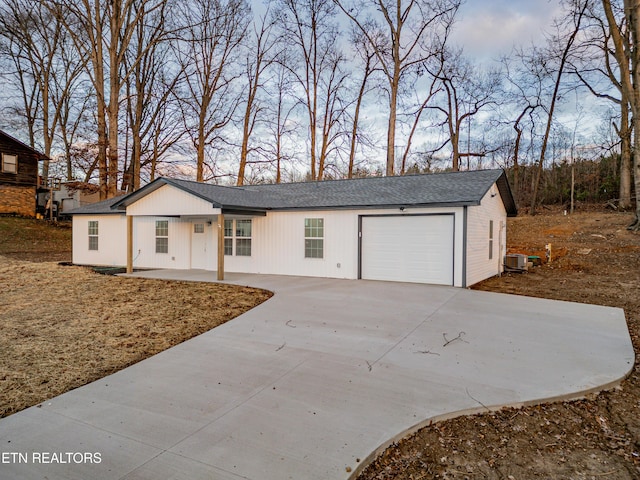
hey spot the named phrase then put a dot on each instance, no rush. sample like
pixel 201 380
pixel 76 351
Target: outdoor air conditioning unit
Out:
pixel 515 261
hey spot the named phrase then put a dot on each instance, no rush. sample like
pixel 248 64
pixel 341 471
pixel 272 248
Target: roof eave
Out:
pixel 113 212
pixel 234 210
pixel 507 195
pixel 384 206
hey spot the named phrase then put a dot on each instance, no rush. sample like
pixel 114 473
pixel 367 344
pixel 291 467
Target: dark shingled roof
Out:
pixel 98 208
pixel 441 189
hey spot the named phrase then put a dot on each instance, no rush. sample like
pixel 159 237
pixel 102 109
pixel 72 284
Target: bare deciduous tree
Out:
pixel 149 91
pixel 211 34
pixel 261 55
pixel 369 64
pixel 406 35
pixel 577 11
pixel 627 53
pixel 279 112
pixel 103 30
pixel 47 67
pixel 597 70
pixel 318 69
pixel 467 91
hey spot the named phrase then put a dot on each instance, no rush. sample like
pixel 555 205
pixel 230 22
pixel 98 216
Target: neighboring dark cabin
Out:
pixel 18 176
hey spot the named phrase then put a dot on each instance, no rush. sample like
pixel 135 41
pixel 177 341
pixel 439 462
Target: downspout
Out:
pixel 220 269
pixel 129 244
pixel 464 246
pixel 359 247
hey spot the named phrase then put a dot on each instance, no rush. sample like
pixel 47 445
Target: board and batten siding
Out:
pixel 278 243
pixel 144 243
pixel 112 240
pixel 479 265
pixel 278 239
pixel 180 210
pixel 168 201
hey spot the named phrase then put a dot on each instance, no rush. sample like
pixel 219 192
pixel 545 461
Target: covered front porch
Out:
pixel 203 232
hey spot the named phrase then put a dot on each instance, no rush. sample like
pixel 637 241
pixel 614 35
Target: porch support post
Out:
pixel 220 246
pixel 129 244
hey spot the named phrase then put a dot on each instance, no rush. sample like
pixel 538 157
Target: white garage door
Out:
pixel 408 248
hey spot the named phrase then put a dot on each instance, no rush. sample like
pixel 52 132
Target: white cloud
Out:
pixel 488 29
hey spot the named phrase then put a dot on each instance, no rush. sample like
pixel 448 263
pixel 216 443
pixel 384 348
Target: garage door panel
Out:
pixel 410 248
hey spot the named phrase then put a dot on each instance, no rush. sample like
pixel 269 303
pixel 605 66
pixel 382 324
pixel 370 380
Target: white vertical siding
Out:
pixel 277 246
pixel 479 265
pixel 112 240
pixel 144 244
pixel 169 200
pixel 278 243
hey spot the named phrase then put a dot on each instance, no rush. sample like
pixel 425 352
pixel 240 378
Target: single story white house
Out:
pixel 445 228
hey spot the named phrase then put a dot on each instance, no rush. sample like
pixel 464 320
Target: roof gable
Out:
pixel 5 137
pixel 169 201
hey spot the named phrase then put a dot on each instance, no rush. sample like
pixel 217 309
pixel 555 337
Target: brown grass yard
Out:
pixel 61 327
pixel 35 240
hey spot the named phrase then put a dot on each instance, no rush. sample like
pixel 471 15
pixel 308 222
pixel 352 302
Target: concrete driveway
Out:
pixel 313 382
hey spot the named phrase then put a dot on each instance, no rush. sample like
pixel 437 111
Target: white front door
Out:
pixel 199 245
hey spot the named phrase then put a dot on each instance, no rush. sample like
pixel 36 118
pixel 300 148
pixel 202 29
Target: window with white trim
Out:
pixel 228 237
pixel 162 236
pixel 9 163
pixel 313 237
pixel 93 234
pixel 243 238
pixel 237 237
pixel 198 228
pixel 490 239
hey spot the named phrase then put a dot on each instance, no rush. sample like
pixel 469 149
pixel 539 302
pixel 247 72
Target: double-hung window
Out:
pixel 93 235
pixel 243 238
pixel 238 238
pixel 313 237
pixel 228 237
pixel 162 236
pixel 9 163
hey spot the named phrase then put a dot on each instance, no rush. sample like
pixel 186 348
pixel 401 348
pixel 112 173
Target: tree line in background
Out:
pixel 121 91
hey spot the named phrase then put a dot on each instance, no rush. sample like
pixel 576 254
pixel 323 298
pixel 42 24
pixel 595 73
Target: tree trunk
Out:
pixel 635 226
pixel 391 132
pixel 625 158
pixel 102 150
pixel 516 164
pixel 626 52
pixel 356 118
pixel 632 8
pixel 200 159
pixel 202 121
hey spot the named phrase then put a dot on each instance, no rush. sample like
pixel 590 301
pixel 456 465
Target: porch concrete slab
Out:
pixel 313 382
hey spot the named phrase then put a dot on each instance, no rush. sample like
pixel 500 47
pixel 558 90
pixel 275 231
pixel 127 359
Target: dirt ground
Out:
pixel 594 260
pixel 62 327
